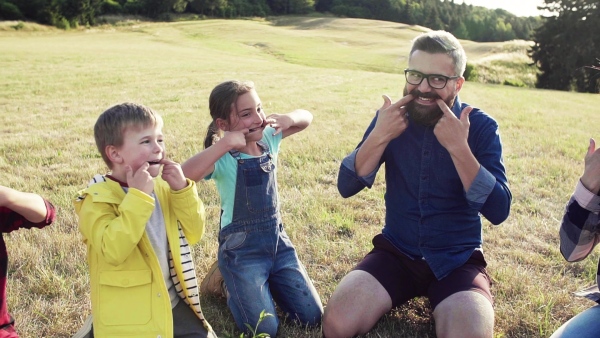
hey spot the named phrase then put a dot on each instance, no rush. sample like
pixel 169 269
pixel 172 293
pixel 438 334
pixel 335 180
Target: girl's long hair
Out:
pixel 220 103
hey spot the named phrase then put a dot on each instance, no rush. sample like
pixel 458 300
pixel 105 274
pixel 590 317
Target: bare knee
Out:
pixel 464 314
pixel 333 324
pixel 337 318
pixel 355 306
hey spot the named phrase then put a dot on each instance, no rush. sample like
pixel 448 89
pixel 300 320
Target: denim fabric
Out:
pixel 584 325
pixel 428 213
pixel 257 259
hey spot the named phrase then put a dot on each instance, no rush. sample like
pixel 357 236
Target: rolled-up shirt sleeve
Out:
pixel 481 188
pixel 579 228
pixel 349 183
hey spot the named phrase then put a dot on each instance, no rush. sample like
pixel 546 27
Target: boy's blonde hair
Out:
pixel 111 125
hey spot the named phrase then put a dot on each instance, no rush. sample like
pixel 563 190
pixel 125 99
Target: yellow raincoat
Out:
pixel 129 296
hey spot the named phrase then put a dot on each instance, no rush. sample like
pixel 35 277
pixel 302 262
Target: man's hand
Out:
pixel 392 120
pixel 591 174
pixel 451 132
pixel 141 179
pixel 172 174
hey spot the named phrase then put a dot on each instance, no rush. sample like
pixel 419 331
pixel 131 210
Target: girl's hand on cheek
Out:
pixel 236 139
pixel 172 174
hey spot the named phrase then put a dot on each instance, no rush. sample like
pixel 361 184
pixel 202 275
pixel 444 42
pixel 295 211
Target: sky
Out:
pixel 517 7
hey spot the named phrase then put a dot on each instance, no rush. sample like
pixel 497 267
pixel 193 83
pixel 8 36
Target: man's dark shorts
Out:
pixel 405 278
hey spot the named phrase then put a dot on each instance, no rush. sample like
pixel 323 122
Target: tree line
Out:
pixel 464 21
pixel 566 42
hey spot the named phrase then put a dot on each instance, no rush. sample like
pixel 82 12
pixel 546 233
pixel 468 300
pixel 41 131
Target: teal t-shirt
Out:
pixel 225 174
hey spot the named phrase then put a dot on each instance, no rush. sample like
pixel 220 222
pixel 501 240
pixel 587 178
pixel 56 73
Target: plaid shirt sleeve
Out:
pixel 580 228
pixel 12 221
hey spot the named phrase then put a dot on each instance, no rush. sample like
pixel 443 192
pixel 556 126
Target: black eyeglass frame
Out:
pixel 427 76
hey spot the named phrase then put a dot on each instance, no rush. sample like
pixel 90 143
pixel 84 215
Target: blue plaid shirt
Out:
pixel 580 231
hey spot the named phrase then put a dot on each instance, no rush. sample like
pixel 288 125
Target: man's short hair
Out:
pixel 111 125
pixel 442 42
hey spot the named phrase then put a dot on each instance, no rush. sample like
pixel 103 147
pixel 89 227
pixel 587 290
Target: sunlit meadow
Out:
pixel 54 84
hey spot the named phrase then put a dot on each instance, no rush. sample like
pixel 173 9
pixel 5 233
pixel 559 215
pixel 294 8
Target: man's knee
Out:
pixel 333 325
pixel 355 306
pixel 464 314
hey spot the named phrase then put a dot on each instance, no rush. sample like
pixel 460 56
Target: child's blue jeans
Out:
pixel 584 325
pixel 260 265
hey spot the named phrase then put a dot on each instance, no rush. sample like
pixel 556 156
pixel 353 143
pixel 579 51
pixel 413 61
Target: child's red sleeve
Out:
pixel 10 220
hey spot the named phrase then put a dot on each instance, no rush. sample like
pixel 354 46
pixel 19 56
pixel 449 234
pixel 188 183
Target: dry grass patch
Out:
pixel 54 86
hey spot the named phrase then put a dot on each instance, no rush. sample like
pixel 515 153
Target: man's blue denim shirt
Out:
pixel 428 213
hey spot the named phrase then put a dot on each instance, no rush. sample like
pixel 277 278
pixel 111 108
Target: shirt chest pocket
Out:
pixel 125 297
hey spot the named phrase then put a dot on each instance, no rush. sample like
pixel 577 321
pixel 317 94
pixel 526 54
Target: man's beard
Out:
pixel 425 115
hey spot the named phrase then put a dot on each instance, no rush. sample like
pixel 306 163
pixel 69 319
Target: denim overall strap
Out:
pixel 255 204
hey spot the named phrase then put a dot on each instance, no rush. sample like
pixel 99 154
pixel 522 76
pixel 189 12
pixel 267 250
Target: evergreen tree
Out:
pixel 565 43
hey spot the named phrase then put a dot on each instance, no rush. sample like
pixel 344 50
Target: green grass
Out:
pixel 54 84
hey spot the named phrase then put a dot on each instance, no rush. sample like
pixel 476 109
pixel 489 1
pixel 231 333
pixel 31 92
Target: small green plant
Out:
pixel 470 73
pixel 20 25
pixel 514 83
pixel 262 316
pixel 63 23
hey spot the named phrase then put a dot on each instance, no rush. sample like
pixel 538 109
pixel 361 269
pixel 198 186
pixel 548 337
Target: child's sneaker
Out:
pixel 213 283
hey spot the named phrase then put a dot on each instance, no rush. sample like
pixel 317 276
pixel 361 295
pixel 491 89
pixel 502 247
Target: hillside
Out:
pixel 55 83
pixel 370 45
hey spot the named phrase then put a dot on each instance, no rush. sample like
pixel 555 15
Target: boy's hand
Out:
pixel 172 173
pixel 141 179
pixel 236 139
pixel 280 122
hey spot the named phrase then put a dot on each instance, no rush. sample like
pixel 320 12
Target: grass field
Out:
pixel 54 84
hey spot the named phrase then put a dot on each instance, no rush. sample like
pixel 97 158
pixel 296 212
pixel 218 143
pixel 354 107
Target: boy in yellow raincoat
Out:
pixel 136 226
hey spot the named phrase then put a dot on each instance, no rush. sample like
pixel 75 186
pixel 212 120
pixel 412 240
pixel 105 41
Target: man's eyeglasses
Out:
pixel 436 81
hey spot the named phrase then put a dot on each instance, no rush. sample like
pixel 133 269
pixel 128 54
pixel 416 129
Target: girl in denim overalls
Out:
pixel 256 259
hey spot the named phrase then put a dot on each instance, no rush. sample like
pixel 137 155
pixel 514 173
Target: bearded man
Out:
pixel 443 168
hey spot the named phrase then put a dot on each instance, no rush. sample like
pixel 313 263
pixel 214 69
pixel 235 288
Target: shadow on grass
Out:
pixel 413 319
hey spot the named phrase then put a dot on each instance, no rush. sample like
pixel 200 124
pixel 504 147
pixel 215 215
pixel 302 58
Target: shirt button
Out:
pixel 158 294
pixel 159 336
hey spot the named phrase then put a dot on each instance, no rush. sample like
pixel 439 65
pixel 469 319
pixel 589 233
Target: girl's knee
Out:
pixel 268 325
pixel 313 318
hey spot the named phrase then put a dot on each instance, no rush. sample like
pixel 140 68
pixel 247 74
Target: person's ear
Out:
pixel 113 154
pixel 459 83
pixel 222 124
